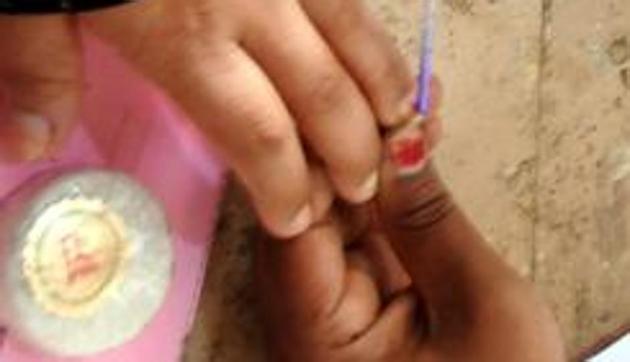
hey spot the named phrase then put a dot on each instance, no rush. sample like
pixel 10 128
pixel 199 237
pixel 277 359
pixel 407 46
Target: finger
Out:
pixel 322 194
pixel 330 109
pixel 437 95
pixel 410 145
pixel 40 71
pixel 368 53
pixel 432 129
pixel 225 93
pixel 391 275
pixel 251 126
pixel 315 288
pixel 360 302
pixel 303 279
pixel 356 226
pixel 395 335
pixel 435 102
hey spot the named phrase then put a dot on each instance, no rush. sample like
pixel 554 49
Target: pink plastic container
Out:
pixel 129 126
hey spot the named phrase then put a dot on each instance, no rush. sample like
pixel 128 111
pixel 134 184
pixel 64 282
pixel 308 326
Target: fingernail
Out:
pixel 300 222
pixel 407 150
pixel 25 137
pixel 368 189
pixel 404 112
pixel 36 133
pixel 407 109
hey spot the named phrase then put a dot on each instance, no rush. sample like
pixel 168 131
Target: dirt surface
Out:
pixel 537 149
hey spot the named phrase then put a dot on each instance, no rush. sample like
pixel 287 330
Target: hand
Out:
pixel 407 279
pixel 256 76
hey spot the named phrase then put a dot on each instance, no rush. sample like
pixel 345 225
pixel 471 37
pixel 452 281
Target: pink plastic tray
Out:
pixel 130 126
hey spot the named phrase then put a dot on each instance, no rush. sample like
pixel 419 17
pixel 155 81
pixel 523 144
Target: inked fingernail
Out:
pixel 407 150
pixel 300 222
pixel 368 189
pixel 36 135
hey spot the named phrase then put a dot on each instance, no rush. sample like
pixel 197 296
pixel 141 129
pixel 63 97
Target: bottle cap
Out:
pixel 88 263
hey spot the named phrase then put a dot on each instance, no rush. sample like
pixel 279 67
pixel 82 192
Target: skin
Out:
pixel 405 278
pixel 286 89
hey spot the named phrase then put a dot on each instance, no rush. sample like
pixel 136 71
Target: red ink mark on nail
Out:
pixel 408 151
pixel 79 264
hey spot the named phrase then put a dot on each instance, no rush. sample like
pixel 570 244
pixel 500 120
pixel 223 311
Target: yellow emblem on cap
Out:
pixel 74 256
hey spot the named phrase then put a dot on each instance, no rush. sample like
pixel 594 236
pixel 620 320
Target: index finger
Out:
pixel 318 290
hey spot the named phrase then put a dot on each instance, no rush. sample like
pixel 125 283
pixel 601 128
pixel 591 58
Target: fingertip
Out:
pixel 408 181
pixel 37 135
pixel 300 222
pixel 282 197
pixel 368 188
pixel 42 80
pixel 294 225
pixel 401 110
pixel 34 125
pixel 357 193
pixel 24 137
pixel 407 150
pixel 433 131
pixel 437 94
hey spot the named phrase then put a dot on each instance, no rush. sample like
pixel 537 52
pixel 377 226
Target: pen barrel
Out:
pixel 423 103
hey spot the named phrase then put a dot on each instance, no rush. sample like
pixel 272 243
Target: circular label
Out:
pixel 73 256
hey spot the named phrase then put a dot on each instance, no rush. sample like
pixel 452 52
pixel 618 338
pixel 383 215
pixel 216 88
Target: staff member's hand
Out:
pixel 409 279
pixel 256 76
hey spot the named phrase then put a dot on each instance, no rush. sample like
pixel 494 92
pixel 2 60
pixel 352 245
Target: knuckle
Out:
pixel 349 15
pixel 329 92
pixel 271 135
pixel 394 75
pixel 406 83
pixel 430 204
pixel 42 88
pixel 424 213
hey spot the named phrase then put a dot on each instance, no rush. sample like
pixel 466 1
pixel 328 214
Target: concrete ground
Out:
pixel 537 149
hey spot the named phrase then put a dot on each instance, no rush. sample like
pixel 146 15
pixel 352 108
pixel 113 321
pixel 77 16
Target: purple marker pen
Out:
pixel 423 100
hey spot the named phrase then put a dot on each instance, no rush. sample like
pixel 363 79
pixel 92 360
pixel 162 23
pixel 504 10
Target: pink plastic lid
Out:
pixel 129 126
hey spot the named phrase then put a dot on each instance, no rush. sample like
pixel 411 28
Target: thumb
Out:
pixel 475 304
pixel 412 195
pixel 416 213
pixel 40 81
pixel 446 257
